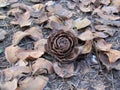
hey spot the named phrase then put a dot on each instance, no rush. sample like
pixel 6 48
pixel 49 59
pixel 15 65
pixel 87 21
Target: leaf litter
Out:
pixel 65 42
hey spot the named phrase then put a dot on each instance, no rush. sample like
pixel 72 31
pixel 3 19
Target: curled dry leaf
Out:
pixel 10 85
pixel 10 53
pixel 22 19
pixel 107 29
pixel 63 46
pixel 102 45
pixel 86 48
pixel 105 60
pixel 78 23
pixel 42 66
pixel 106 2
pixel 33 83
pixel 84 8
pixel 29 54
pixel 2 34
pixel 40 45
pixel 113 55
pixel 85 36
pixel 18 36
pixel 64 70
pixel 14 11
pixel 37 7
pixel 15 71
pixel 100 35
pixel 35 33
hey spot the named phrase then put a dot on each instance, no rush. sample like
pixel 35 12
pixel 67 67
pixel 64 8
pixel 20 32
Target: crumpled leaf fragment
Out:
pixel 22 19
pixel 39 45
pixel 35 33
pixel 42 66
pixel 86 48
pixel 85 36
pixel 102 45
pixel 33 83
pixel 84 8
pixel 18 36
pixel 100 35
pixel 4 3
pixel 29 54
pixel 64 70
pixel 3 33
pixel 15 71
pixel 9 85
pixel 113 55
pixel 79 24
pixel 37 7
pixel 10 53
pixel 105 60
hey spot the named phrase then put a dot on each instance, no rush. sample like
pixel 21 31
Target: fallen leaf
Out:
pixel 35 33
pixel 39 45
pixel 2 16
pixel 71 5
pixel 10 85
pixel 86 48
pixel 37 7
pixel 64 70
pixel 14 11
pixel 10 53
pixel 105 60
pixel 18 36
pixel 107 29
pixel 102 45
pixel 29 54
pixel 113 55
pixel 35 83
pixel 116 2
pixel 100 35
pixel 85 36
pixel 84 8
pixel 55 19
pixel 42 66
pixel 106 2
pixel 15 71
pixel 3 33
pixel 22 19
pixel 79 24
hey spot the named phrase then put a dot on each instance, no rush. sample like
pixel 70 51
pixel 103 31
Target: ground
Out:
pixel 89 76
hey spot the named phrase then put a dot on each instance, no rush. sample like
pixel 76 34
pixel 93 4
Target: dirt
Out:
pixel 90 75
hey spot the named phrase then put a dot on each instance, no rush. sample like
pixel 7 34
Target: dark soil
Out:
pixel 90 75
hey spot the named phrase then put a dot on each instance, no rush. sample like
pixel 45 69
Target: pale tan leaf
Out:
pixel 85 36
pixel 113 55
pixel 3 33
pixel 116 3
pixel 37 7
pixel 35 33
pixel 82 23
pixel 84 8
pixel 86 48
pixel 18 36
pixel 64 70
pixel 102 45
pixel 39 45
pixel 42 66
pixel 100 35
pixel 10 85
pixel 35 83
pixel 10 53
pixel 29 54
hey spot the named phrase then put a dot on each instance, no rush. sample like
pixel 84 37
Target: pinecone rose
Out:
pixel 63 45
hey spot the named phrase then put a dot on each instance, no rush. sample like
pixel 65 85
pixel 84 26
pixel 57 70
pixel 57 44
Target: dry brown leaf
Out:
pixel 102 45
pixel 3 33
pixel 35 33
pixel 22 19
pixel 105 60
pixel 85 36
pixel 64 70
pixel 39 45
pixel 29 54
pixel 10 53
pixel 84 8
pixel 100 35
pixel 10 85
pixel 4 3
pixel 78 23
pixel 42 66
pixel 113 55
pixel 55 19
pixel 14 11
pixel 116 3
pixel 2 16
pixel 106 2
pixel 15 71
pixel 37 7
pixel 18 36
pixel 86 48
pixel 35 83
